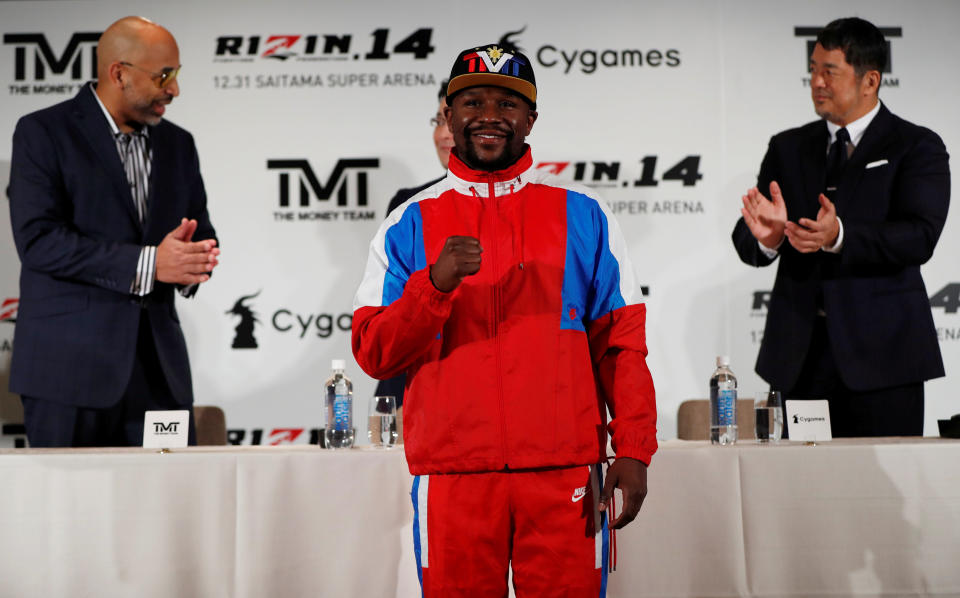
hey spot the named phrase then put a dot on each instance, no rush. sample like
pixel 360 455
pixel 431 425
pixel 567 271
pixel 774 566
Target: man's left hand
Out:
pixel 630 475
pixel 808 236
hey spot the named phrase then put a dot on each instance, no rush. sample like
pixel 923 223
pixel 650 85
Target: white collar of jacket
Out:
pixel 479 183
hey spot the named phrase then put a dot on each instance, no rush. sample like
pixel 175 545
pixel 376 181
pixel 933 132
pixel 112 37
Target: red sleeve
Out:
pixel 387 340
pixel 618 347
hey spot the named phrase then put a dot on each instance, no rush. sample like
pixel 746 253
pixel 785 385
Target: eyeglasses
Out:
pixel 438 121
pixel 162 79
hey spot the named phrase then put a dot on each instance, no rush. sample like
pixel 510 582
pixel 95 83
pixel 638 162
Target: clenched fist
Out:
pixel 460 257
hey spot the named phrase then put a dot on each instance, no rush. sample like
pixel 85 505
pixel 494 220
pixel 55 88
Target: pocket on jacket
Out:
pixel 44 307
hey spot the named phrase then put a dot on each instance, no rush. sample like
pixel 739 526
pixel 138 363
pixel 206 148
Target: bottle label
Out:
pixel 727 408
pixel 341 414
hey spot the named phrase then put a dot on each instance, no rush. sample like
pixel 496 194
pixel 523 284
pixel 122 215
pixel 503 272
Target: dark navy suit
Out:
pixel 892 199
pixel 79 238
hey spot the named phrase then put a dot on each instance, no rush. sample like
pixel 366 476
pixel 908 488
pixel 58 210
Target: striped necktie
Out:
pixel 136 164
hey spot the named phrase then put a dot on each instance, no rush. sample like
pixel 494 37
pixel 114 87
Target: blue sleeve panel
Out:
pixel 405 251
pixel 591 274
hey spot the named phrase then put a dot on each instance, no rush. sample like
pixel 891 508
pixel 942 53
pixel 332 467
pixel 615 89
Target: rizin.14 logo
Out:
pixel 276 436
pixel 8 309
pixel 616 175
pixel 8 315
pixel 327 46
pixel 947 299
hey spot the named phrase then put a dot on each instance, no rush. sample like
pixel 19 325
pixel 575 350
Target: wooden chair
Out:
pixel 693 419
pixel 211 424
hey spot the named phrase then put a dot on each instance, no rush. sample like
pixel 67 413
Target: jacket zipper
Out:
pixel 497 306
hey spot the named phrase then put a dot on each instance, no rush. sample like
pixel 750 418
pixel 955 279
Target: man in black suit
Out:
pixel 851 221
pixel 106 200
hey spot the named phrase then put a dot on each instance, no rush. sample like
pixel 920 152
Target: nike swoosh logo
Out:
pixel 578 494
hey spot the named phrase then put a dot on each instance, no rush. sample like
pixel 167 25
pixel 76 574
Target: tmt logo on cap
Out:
pixel 493 65
pixel 493 59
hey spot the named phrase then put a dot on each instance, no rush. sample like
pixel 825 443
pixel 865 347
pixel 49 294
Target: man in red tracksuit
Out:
pixel 507 297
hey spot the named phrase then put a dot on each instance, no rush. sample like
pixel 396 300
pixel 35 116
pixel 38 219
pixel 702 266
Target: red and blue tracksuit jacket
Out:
pixel 518 366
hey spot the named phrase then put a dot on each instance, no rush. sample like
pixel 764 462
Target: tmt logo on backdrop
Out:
pixel 888 32
pixel 310 188
pixel 34 59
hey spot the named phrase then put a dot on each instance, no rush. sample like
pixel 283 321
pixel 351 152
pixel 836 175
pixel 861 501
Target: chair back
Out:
pixel 211 425
pixel 693 419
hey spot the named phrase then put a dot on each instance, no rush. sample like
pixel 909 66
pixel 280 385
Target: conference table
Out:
pixel 877 517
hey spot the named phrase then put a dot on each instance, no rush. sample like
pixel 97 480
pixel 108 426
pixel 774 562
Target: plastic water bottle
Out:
pixel 723 403
pixel 339 403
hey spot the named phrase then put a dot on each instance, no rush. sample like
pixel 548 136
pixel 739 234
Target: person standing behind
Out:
pixel 857 203
pixel 443 143
pixel 508 297
pixel 105 200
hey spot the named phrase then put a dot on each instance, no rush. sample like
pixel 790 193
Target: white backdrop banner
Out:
pixel 309 116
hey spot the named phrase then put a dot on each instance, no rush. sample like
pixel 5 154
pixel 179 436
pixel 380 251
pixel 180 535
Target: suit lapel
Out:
pixel 160 177
pixel 96 131
pixel 877 137
pixel 814 163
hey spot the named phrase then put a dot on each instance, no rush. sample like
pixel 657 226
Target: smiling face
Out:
pixel 143 101
pixel 838 94
pixel 489 126
pixel 137 62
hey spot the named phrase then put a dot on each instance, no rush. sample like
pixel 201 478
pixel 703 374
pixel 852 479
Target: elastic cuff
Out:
pixel 640 453
pixel 422 287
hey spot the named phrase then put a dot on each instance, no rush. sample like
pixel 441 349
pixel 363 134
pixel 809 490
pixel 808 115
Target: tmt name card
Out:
pixel 165 429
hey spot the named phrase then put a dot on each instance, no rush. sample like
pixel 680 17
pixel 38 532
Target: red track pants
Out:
pixel 469 528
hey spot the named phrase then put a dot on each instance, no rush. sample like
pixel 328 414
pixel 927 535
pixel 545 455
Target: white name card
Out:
pixel 165 429
pixel 808 421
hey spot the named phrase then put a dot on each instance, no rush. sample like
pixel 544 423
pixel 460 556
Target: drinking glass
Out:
pixel 768 408
pixel 382 423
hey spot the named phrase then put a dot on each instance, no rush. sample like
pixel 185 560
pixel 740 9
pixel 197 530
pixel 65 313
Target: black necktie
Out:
pixel 837 159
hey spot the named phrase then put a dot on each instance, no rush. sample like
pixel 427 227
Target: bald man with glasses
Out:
pixel 109 216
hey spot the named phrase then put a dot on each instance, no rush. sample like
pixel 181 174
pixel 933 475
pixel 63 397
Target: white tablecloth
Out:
pixel 838 519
